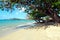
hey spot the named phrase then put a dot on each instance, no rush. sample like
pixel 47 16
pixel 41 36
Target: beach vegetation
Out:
pixel 36 8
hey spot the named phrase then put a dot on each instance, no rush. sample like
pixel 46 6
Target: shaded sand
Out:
pixel 50 33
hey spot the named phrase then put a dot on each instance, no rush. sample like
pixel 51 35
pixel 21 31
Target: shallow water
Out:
pixel 7 24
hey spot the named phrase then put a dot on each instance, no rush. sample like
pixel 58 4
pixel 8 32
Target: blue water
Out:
pixel 7 26
pixel 13 23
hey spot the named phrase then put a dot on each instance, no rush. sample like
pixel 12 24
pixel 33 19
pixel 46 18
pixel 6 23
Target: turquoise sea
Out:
pixel 7 26
pixel 14 23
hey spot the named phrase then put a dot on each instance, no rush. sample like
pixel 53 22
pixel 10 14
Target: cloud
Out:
pixel 22 9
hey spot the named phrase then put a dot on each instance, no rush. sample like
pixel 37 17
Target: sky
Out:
pixel 14 14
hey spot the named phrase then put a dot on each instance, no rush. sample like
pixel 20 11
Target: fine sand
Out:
pixel 50 33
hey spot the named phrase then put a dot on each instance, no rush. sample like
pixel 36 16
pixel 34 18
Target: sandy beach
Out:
pixel 50 33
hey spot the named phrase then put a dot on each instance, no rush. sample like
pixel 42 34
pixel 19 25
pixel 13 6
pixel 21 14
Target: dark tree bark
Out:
pixel 53 15
pixel 56 18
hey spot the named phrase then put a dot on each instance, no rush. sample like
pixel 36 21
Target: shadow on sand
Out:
pixel 38 25
pixel 45 25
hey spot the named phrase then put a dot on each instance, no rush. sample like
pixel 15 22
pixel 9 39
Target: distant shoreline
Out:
pixel 15 19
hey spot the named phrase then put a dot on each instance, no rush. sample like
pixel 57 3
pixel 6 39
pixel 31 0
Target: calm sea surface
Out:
pixel 13 23
pixel 7 26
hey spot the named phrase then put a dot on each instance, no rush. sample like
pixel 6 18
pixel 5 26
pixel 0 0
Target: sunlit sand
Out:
pixel 50 33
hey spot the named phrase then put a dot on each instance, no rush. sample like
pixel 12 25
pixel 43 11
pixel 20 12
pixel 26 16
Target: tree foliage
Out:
pixel 36 8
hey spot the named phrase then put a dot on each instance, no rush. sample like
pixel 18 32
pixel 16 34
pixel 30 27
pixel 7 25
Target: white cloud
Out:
pixel 23 9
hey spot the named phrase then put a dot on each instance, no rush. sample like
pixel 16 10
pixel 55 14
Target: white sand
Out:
pixel 52 33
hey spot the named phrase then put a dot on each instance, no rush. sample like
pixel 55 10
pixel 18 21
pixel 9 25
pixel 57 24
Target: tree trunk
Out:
pixel 56 18
pixel 53 15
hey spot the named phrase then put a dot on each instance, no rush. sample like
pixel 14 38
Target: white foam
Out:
pixel 26 24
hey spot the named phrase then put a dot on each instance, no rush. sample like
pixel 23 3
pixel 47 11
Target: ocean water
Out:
pixel 11 23
pixel 7 24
